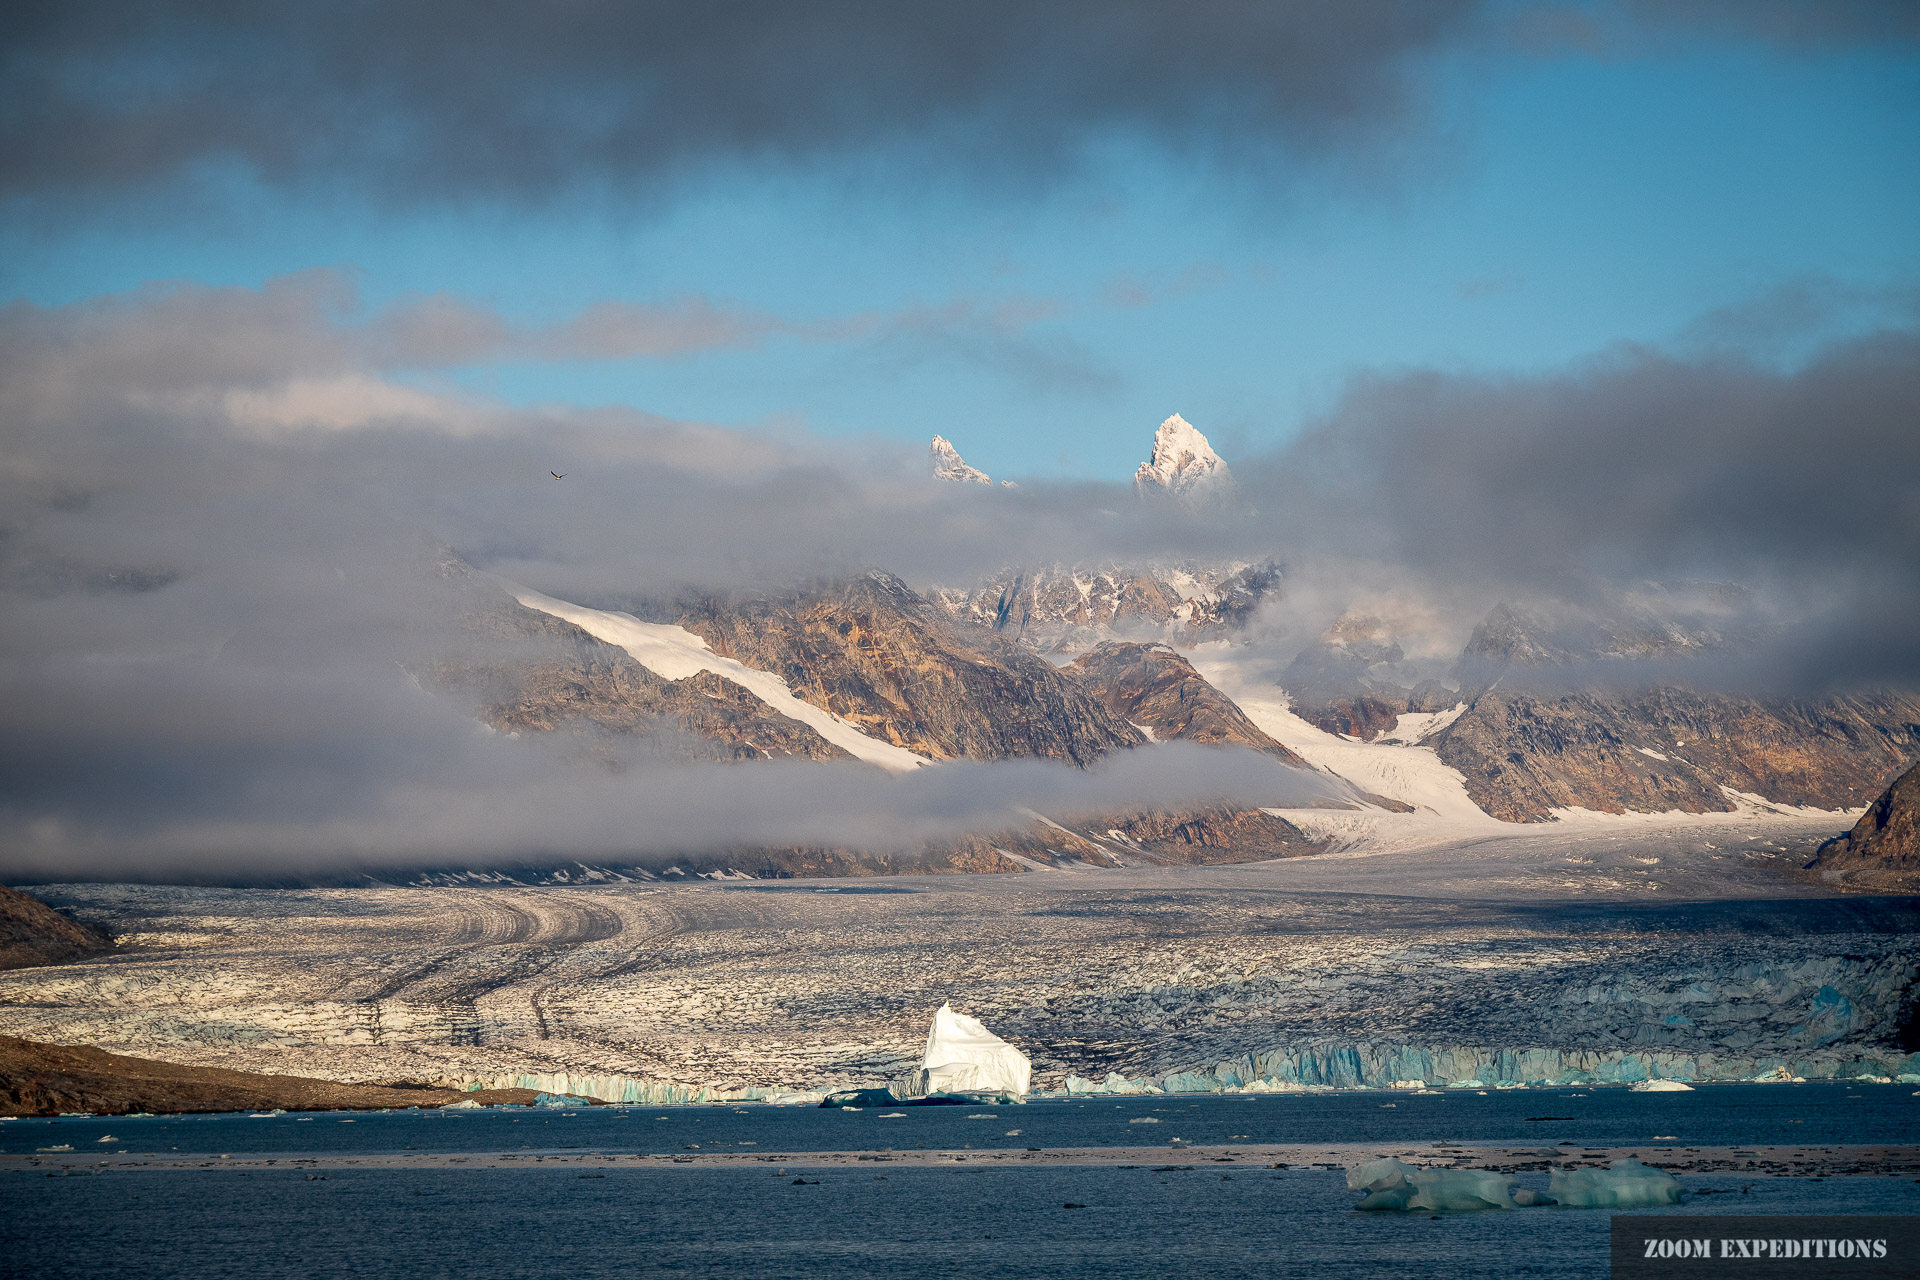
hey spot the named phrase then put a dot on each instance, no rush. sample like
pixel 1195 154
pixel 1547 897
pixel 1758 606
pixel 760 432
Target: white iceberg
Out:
pixel 964 1057
pixel 1393 1184
pixel 1627 1184
pixel 1659 1086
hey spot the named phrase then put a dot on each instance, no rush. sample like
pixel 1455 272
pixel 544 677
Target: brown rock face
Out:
pixel 1365 716
pixel 541 674
pixel 1523 753
pixel 46 1079
pixel 876 654
pixel 1151 685
pixel 33 933
pixel 1883 849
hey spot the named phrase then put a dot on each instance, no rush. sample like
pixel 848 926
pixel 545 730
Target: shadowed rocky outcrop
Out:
pixel 33 933
pixel 1883 849
pixel 48 1079
pixel 1152 686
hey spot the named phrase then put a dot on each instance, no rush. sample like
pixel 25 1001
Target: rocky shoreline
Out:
pixel 49 1080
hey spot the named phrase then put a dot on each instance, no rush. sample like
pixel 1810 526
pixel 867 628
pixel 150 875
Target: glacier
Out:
pixel 1272 978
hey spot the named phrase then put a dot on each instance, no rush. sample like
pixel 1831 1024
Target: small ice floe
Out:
pixel 1666 1137
pixel 1625 1184
pixel 885 1115
pixel 1388 1106
pixel 266 1115
pixel 1393 1184
pixel 107 1138
pixel 852 1108
pixel 1144 1120
pixel 1013 1133
pixel 983 1115
pixel 468 1104
pixel 65 1146
pixel 1659 1086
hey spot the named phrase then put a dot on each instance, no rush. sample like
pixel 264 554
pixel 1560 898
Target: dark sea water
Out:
pixel 901 1222
pixel 1714 1115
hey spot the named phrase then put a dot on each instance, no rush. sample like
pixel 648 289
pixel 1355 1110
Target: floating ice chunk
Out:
pixel 1407 1084
pixel 964 1057
pixel 1393 1184
pixel 1626 1184
pixel 1144 1120
pixel 892 1115
pixel 1659 1086
pixel 468 1104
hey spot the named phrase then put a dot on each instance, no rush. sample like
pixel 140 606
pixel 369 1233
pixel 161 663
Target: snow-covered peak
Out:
pixel 1183 465
pixel 945 463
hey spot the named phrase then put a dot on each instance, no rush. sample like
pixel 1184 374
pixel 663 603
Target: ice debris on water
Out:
pixel 1626 1184
pixel 1394 1184
pixel 1660 1086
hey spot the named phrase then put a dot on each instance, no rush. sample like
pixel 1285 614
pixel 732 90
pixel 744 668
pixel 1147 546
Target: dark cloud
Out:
pixel 437 100
pixel 1802 483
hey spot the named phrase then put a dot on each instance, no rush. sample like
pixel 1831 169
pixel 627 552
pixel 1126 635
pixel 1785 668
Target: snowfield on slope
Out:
pixel 1395 765
pixel 674 653
pixel 1410 774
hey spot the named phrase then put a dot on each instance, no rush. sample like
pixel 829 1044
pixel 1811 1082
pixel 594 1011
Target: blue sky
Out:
pixel 1533 211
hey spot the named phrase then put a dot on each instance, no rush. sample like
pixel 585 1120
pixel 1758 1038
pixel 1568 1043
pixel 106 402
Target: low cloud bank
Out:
pixel 404 784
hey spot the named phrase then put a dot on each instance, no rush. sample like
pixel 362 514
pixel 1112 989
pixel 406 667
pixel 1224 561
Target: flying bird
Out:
pixel 557 476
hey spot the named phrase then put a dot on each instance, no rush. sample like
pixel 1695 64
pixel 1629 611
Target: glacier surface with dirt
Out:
pixel 1550 955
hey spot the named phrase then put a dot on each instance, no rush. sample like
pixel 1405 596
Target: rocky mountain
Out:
pixel 1184 467
pixel 33 933
pixel 1153 688
pixel 1060 610
pixel 905 671
pixel 1883 849
pixel 1354 680
pixel 1525 753
pixel 530 672
pixel 945 463
pixel 1594 714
